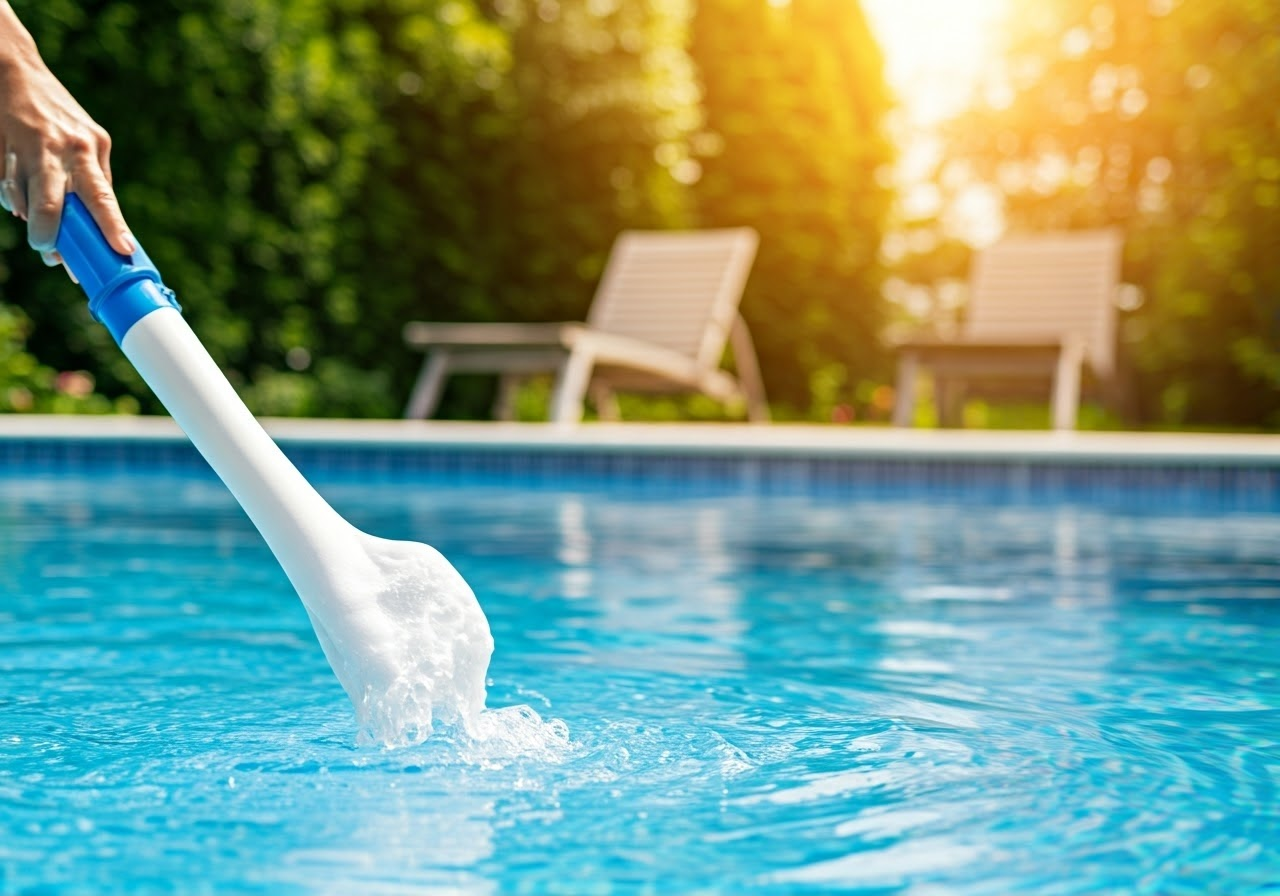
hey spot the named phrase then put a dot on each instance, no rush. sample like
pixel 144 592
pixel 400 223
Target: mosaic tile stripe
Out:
pixel 1236 486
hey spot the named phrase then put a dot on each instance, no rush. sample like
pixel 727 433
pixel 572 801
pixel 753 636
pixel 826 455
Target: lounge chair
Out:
pixel 663 313
pixel 1040 307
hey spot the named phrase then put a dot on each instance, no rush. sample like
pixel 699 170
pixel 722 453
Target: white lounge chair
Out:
pixel 663 313
pixel 1039 307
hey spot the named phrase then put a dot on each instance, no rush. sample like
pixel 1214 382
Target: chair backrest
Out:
pixel 676 289
pixel 1049 286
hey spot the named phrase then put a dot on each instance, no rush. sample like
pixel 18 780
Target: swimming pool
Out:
pixel 779 689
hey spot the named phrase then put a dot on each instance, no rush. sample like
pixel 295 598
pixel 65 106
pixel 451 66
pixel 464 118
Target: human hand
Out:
pixel 51 146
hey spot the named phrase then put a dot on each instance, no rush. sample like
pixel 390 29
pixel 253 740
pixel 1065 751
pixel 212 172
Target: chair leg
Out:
pixel 571 387
pixel 1066 385
pixel 606 402
pixel 429 386
pixel 948 398
pixel 904 402
pixel 748 366
pixel 504 402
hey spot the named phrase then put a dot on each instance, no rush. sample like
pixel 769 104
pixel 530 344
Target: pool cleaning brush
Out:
pixel 401 628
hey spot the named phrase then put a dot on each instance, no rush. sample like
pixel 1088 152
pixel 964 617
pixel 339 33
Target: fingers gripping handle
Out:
pixel 122 289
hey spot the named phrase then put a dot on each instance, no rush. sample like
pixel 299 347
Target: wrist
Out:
pixel 17 47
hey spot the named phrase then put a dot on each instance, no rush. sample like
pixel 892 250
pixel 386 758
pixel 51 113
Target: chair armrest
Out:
pixel 420 335
pixel 979 346
pixel 607 348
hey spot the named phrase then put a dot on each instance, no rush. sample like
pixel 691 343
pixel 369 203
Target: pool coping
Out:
pixel 701 439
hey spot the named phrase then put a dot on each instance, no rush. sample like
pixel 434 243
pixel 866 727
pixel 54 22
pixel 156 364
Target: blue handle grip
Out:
pixel 122 289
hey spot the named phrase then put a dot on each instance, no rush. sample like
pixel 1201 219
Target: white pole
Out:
pixel 401 628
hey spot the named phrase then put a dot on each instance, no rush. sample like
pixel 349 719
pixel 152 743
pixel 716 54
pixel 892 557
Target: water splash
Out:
pixel 405 636
pixel 515 732
pixel 412 649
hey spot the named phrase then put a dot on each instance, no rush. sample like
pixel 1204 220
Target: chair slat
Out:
pixel 1062 285
pixel 676 290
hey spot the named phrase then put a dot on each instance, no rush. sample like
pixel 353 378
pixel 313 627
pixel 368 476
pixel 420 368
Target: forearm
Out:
pixel 16 45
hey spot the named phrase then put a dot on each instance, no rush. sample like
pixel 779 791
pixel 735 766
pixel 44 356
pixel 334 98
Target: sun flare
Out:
pixel 935 49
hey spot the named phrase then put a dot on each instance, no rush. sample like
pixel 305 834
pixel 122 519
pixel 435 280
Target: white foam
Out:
pixel 430 655
pixel 515 733
pixel 401 628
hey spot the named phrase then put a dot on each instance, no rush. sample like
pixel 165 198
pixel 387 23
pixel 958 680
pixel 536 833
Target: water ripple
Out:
pixel 729 695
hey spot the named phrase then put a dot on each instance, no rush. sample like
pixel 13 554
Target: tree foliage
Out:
pixel 310 175
pixel 241 136
pixel 1160 117
pixel 795 99
pixel 598 109
pixel 28 385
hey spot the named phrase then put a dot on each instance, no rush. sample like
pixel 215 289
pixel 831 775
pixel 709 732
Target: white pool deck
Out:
pixel 707 438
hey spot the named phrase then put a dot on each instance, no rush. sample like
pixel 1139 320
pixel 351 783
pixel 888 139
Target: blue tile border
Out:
pixel 1240 485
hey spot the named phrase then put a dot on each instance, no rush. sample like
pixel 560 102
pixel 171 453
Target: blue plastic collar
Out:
pixel 122 289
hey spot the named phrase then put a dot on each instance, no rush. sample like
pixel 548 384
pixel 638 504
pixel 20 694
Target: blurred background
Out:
pixel 310 175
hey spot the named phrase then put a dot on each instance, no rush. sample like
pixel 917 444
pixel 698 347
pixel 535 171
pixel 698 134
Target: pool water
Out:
pixel 760 694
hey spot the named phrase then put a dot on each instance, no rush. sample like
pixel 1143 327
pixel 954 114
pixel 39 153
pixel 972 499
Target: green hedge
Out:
pixel 310 175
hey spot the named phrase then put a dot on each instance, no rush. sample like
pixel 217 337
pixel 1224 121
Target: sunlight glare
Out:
pixel 935 49
pixel 935 53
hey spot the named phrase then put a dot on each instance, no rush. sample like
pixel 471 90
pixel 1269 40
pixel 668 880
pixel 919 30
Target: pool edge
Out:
pixel 705 439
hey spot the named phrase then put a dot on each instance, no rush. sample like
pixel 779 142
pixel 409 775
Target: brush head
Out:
pixel 405 635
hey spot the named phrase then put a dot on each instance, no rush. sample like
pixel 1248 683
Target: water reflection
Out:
pixel 659 584
pixel 772 694
pixel 371 829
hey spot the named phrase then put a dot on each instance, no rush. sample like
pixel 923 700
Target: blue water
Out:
pixel 771 695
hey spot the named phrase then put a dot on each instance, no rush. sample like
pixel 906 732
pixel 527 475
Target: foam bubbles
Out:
pixel 407 639
pixel 515 732
pixel 411 645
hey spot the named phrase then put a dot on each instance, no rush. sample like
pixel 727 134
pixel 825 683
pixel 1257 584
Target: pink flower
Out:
pixel 76 383
pixel 20 398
